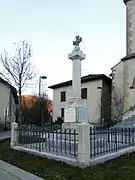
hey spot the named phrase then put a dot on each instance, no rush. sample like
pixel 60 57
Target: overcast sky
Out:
pixel 50 27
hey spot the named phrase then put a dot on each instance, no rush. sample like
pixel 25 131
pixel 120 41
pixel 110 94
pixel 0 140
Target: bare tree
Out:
pixel 112 111
pixel 117 105
pixel 43 104
pixel 18 70
pixel 35 109
pixel 104 107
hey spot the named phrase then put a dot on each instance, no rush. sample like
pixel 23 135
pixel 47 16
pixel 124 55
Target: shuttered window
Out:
pixel 84 93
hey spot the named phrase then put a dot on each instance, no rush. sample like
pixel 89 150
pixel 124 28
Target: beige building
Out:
pixel 123 73
pixel 8 101
pixel 96 95
pixel 123 82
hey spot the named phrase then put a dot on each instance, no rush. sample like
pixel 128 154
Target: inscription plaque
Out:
pixel 70 115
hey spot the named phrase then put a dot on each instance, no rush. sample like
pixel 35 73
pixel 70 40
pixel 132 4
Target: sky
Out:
pixel 50 26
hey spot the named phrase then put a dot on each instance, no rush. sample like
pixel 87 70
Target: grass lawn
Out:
pixel 121 169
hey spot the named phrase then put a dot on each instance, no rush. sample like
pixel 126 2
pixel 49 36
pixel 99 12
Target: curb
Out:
pixel 17 172
pixel 5 138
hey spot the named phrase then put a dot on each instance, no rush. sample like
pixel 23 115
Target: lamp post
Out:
pixel 40 78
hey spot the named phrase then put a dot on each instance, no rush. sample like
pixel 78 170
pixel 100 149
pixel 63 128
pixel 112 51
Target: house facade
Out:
pixel 96 95
pixel 8 102
pixel 123 83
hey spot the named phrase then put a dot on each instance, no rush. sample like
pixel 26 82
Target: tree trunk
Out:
pixel 20 111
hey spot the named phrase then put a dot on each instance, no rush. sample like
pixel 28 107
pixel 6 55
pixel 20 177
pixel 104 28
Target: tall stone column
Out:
pixel 75 111
pixel 76 56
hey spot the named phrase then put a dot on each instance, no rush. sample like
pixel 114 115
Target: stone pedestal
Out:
pixel 75 113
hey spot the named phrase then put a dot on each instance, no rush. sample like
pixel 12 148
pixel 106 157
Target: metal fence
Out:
pixel 105 141
pixel 53 127
pixel 53 140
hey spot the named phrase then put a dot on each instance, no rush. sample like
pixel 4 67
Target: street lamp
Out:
pixel 41 77
pixel 42 116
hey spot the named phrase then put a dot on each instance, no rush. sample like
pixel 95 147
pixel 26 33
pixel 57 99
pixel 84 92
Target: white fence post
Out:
pixel 14 139
pixel 84 144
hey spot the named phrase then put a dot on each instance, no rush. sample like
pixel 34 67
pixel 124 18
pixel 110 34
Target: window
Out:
pixel 63 96
pixel 62 112
pixel 84 93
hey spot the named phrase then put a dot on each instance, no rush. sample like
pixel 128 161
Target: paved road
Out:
pixel 7 176
pixel 5 134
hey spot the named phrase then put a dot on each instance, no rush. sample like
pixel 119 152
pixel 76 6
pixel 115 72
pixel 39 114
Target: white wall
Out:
pixel 117 77
pixel 13 109
pixel 123 77
pixel 117 91
pixel 5 103
pixel 130 75
pixel 4 99
pixel 93 101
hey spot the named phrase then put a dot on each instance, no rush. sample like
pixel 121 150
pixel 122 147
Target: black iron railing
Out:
pixel 105 141
pixel 58 141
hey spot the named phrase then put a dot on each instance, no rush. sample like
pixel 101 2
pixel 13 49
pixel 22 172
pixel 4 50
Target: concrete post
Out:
pixel 84 144
pixel 13 142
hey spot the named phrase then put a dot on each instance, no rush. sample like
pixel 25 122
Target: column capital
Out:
pixel 76 54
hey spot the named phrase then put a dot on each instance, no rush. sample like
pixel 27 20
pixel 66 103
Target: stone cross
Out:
pixel 77 41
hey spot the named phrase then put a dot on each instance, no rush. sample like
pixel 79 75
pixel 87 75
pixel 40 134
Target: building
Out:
pixel 123 73
pixel 96 95
pixel 8 102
